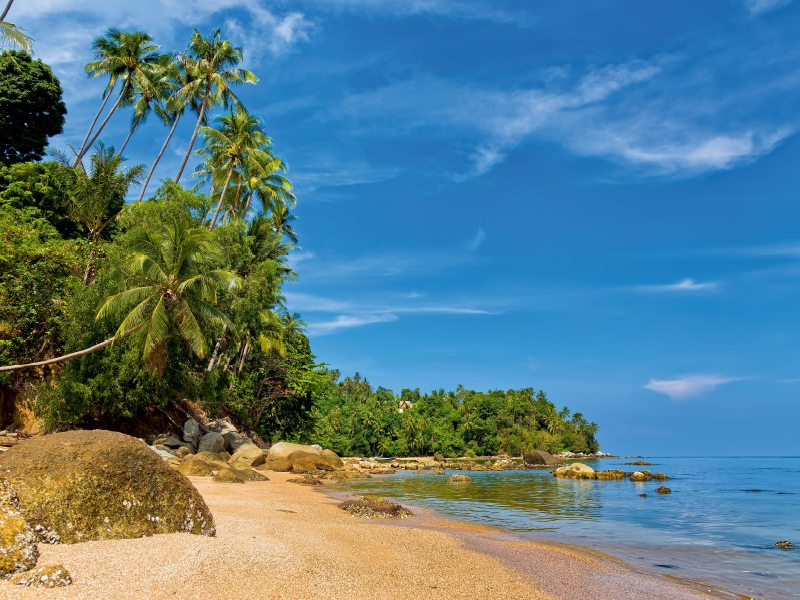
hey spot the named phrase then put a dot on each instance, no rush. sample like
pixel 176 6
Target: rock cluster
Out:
pixel 581 471
pixel 459 478
pixel 94 485
pixel 784 544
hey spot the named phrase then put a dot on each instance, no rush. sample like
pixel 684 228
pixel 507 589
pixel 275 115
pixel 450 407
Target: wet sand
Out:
pixel 281 540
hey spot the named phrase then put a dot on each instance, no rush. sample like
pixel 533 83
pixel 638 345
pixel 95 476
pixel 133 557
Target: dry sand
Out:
pixel 281 540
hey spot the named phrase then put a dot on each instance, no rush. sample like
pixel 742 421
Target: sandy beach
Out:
pixel 280 540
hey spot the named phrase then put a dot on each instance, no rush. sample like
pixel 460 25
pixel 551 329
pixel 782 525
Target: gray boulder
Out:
pixel 222 426
pixel 538 457
pixel 191 432
pixel 240 443
pixel 173 442
pixel 211 442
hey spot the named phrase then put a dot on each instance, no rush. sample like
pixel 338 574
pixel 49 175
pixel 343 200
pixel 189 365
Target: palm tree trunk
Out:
pixel 127 139
pixel 103 124
pixel 158 158
pixel 5 12
pixel 222 196
pixel 97 116
pixel 52 361
pixel 194 136
pixel 217 346
pixel 244 356
pixel 247 204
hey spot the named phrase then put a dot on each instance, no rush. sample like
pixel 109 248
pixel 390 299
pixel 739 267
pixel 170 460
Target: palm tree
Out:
pixel 282 222
pixel 292 324
pixel 264 181
pixel 212 62
pixel 237 136
pixel 97 197
pixel 125 55
pixel 180 290
pixel 148 92
pixel 176 77
pixel 6 9
pixel 11 35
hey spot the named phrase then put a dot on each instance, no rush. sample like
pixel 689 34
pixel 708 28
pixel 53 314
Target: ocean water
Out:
pixel 718 526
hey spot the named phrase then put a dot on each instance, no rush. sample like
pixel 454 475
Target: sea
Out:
pixel 718 527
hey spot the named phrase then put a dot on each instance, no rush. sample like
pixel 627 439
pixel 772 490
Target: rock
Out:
pixel 375 507
pixel 212 456
pixel 165 454
pixel 191 432
pixel 316 447
pixel 237 444
pixel 230 436
pixel 663 490
pixel 245 471
pixel 95 485
pixel 639 476
pixel 312 461
pixel 51 576
pixel 459 479
pixel 211 442
pixel 160 448
pixel 229 476
pixel 308 480
pixel 195 467
pixel 611 474
pixel 504 464
pixel 18 550
pixel 477 468
pixel 173 442
pixel 642 495
pixel 284 449
pixel 333 459
pixel 221 426
pixel 279 464
pixel 183 452
pixel 385 471
pixel 784 544
pixel 640 463
pixel 538 457
pixel 438 458
pixel 660 476
pixel 345 475
pixel 575 471
pixel 174 462
pixel 250 454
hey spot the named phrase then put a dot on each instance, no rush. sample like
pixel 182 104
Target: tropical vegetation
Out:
pixel 112 309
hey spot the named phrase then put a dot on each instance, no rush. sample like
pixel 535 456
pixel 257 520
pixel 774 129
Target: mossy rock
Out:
pixel 195 467
pixel 98 485
pixel 640 463
pixel 51 576
pixel 610 475
pixel 278 464
pixel 640 476
pixel 244 470
pixel 333 459
pixel 229 476
pixel 663 490
pixel 576 471
pixel 250 454
pixel 538 457
pixel 661 476
pixel 459 478
pixel 785 544
pixel 308 480
pixel 302 460
pixel 18 551
pixel 211 456
pixel 375 507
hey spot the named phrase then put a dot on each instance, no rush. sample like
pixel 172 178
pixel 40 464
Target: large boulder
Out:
pixel 284 449
pixel 222 426
pixel 310 461
pixel 538 457
pixel 95 485
pixel 279 464
pixel 18 551
pixel 332 458
pixel 211 442
pixel 576 471
pixel 250 454
pixel 191 432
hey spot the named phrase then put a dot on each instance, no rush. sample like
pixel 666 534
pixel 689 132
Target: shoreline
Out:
pixel 608 577
pixel 281 540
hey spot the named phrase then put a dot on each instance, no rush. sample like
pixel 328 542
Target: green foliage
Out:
pixel 37 267
pixel 31 109
pixel 352 418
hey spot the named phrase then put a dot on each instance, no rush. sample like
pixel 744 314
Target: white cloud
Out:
pixel 762 6
pixel 476 242
pixel 687 285
pixel 348 322
pixel 483 10
pixel 689 386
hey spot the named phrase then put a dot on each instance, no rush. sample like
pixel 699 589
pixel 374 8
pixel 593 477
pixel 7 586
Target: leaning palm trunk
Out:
pixel 5 11
pixel 53 361
pixel 194 137
pixel 222 195
pixel 94 122
pixel 158 158
pixel 103 124
pixel 127 139
pixel 217 347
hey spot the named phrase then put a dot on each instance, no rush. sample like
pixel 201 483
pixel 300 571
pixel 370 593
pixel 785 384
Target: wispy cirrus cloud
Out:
pixel 687 285
pixel 481 10
pixel 763 6
pixel 688 386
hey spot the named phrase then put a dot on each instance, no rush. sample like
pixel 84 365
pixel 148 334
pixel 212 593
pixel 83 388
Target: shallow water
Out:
pixel 719 526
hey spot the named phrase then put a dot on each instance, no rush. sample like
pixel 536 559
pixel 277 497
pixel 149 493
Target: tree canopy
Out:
pixel 31 109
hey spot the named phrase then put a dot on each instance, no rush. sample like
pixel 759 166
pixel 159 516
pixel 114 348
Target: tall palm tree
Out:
pixel 179 292
pixel 177 75
pixel 237 136
pixel 148 94
pixel 96 197
pixel 122 55
pixel 282 222
pixel 212 61
pixel 264 181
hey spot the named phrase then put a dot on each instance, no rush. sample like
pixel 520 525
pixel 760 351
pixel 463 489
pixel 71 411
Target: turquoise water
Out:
pixel 719 526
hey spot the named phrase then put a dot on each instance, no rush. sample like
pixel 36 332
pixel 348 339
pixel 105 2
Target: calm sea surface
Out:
pixel 719 526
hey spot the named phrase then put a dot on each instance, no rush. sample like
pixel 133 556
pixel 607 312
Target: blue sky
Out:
pixel 597 199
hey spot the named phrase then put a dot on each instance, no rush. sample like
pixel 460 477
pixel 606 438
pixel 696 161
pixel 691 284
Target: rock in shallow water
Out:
pixel 95 485
pixel 784 544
